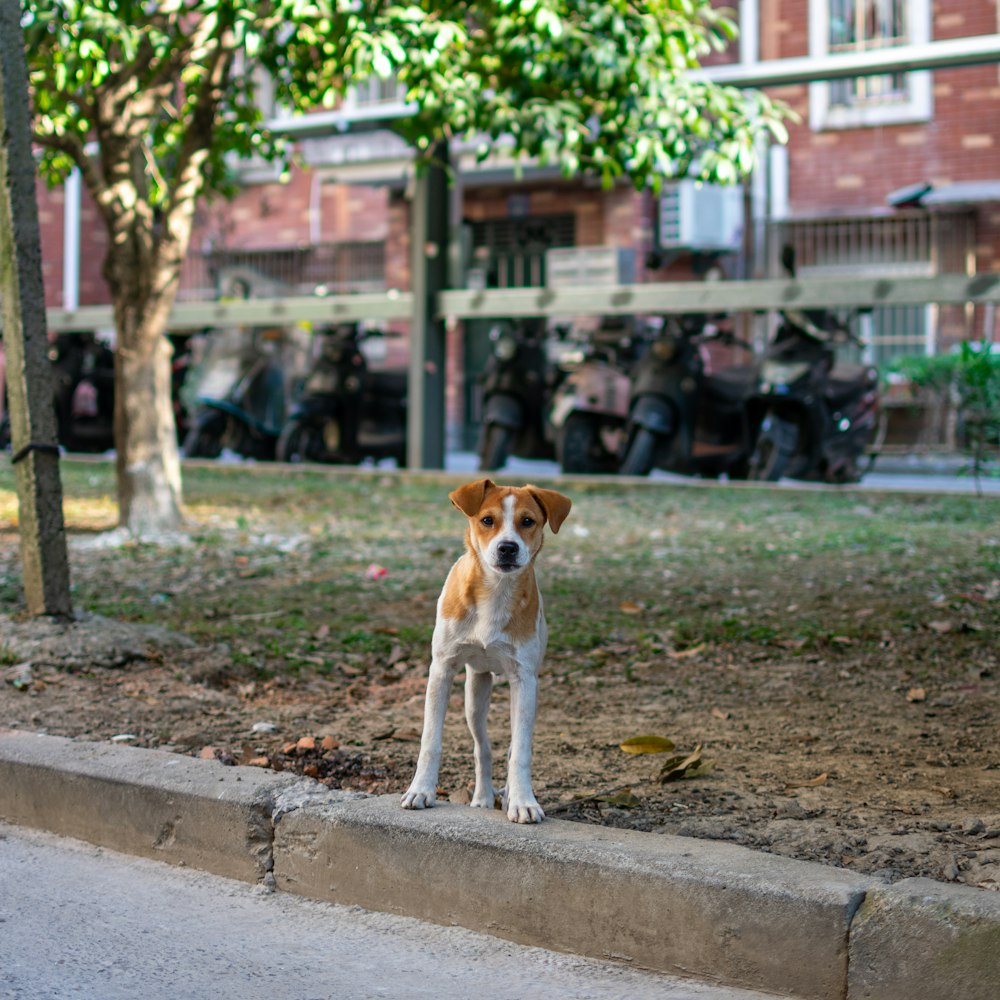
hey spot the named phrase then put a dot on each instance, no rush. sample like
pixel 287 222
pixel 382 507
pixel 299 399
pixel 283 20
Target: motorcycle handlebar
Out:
pixel 842 332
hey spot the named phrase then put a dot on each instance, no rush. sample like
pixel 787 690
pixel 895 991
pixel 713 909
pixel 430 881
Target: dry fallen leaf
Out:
pixel 621 800
pixel 630 608
pixel 792 643
pixel 679 654
pixel 647 744
pixel 690 766
pixel 818 780
pixel 916 694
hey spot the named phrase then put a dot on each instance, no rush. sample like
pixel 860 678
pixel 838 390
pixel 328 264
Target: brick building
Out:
pixel 895 174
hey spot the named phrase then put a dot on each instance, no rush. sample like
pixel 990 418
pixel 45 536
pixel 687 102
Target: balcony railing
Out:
pixel 905 243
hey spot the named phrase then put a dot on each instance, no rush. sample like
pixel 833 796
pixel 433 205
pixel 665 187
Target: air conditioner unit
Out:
pixel 703 217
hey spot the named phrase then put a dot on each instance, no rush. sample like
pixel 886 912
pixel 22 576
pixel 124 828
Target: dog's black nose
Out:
pixel 507 551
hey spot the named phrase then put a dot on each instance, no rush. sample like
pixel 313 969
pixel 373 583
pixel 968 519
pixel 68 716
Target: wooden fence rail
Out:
pixel 652 298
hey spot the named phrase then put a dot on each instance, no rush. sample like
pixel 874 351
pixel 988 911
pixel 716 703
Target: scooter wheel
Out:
pixel 775 447
pixel 638 459
pixel 496 447
pixel 299 443
pixel 579 446
pixel 204 440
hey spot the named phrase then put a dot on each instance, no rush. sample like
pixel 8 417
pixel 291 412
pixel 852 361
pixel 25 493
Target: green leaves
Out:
pixel 590 86
pixel 602 87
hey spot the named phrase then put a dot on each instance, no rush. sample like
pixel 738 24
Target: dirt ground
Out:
pixel 874 749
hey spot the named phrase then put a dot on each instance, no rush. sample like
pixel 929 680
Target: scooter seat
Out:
pixel 845 381
pixel 392 384
pixel 732 384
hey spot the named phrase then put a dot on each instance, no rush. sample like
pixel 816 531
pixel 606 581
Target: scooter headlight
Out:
pixel 505 347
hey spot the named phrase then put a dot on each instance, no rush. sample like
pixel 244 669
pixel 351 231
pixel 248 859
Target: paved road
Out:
pixel 81 923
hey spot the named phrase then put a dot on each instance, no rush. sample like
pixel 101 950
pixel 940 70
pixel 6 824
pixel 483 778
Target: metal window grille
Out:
pixel 860 25
pixel 511 252
pixel 333 268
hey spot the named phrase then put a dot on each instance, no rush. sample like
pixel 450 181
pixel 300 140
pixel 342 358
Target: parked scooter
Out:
pixel 590 407
pixel 819 417
pixel 347 412
pixel 683 417
pixel 516 386
pixel 83 378
pixel 241 391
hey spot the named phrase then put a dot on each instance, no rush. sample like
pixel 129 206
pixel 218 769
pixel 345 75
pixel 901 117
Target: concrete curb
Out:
pixel 675 904
pixel 144 802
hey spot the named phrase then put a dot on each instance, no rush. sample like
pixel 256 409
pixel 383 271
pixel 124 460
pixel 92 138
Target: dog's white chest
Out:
pixel 482 638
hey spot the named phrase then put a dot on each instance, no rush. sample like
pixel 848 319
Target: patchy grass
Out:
pixel 655 566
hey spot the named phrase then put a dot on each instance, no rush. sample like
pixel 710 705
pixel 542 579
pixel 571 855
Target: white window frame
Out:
pixel 361 96
pixel 918 108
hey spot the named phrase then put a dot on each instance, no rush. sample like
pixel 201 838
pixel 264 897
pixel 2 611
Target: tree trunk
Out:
pixel 149 471
pixel 148 464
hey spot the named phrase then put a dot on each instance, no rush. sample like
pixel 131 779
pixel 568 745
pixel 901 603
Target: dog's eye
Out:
pixel 488 521
pixel 527 522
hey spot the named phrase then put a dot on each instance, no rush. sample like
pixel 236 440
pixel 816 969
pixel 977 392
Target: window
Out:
pixel 860 26
pixel 375 90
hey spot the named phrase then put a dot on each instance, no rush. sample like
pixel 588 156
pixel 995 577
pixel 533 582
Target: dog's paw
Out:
pixel 524 811
pixel 484 800
pixel 419 798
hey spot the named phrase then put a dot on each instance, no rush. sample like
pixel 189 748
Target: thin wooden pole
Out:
pixel 35 453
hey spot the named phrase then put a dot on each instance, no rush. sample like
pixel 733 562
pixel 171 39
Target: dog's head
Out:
pixel 506 523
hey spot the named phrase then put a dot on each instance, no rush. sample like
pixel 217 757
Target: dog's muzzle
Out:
pixel 507 556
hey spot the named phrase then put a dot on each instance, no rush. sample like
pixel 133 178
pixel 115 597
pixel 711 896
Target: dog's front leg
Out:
pixel 422 792
pixel 519 798
pixel 478 685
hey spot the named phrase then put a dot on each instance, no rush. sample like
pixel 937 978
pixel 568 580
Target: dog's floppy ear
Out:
pixel 469 498
pixel 555 505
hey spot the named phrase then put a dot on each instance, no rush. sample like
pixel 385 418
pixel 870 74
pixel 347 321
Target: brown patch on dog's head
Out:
pixel 469 498
pixel 555 506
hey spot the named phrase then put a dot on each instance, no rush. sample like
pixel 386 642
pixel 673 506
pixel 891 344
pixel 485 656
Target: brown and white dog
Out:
pixel 490 621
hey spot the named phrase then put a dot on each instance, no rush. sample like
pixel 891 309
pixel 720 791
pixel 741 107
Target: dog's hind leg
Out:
pixel 478 686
